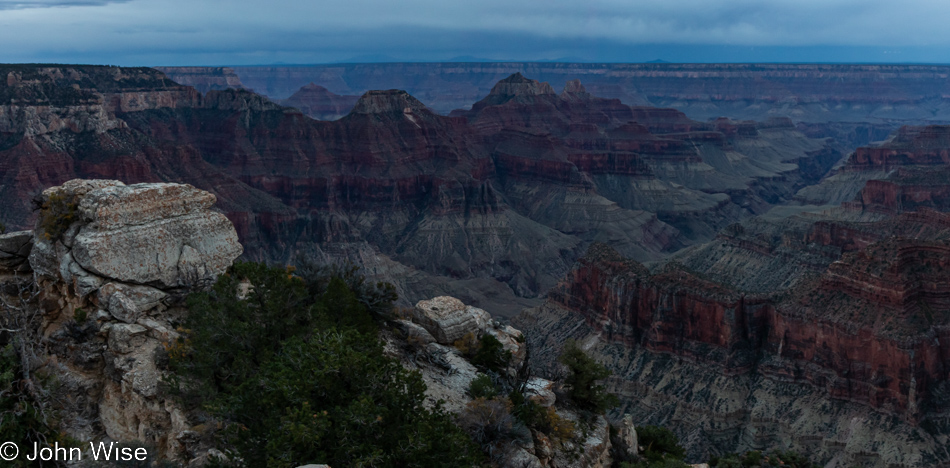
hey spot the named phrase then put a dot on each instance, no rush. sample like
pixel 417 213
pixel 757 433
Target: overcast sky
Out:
pixel 243 32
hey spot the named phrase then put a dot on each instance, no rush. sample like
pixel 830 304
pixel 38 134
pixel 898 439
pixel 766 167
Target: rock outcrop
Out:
pixel 112 263
pixel 448 375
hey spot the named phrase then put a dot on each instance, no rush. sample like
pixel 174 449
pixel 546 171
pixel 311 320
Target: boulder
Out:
pixel 15 249
pixel 541 391
pixel 414 333
pixel 512 340
pixel 128 302
pixel 448 319
pixel 164 235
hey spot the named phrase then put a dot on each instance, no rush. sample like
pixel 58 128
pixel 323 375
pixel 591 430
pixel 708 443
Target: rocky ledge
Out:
pixel 428 341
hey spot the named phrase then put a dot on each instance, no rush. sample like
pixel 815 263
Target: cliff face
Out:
pixel 696 177
pixel 868 338
pixel 488 205
pixel 111 264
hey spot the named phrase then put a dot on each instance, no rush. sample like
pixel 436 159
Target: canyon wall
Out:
pixel 491 205
pixel 849 367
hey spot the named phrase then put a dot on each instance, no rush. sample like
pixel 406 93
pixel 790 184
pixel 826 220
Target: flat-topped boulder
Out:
pixel 161 235
pixel 448 319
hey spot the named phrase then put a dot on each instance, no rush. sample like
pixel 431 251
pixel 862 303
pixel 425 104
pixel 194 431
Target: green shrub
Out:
pixel 665 463
pixel 482 387
pixel 539 418
pixel 57 213
pixel 659 443
pixel 758 460
pixel 334 398
pixel 581 382
pixel 295 370
pixel 491 354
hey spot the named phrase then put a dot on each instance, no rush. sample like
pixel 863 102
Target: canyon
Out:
pixel 820 328
pixel 491 205
pixel 752 284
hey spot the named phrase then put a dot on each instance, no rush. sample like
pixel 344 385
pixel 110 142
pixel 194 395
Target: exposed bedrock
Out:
pixel 112 263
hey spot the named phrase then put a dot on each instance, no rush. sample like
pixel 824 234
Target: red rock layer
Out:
pixel 927 146
pixel 874 329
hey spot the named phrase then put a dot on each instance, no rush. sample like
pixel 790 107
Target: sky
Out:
pixel 243 32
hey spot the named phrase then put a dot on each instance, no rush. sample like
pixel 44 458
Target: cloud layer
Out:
pixel 214 32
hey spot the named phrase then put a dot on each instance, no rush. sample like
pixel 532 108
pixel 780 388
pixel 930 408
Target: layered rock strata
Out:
pixel 111 263
pixel 865 341
pixel 437 205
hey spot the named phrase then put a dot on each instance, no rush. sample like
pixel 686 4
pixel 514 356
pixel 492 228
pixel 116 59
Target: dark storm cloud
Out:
pixel 209 32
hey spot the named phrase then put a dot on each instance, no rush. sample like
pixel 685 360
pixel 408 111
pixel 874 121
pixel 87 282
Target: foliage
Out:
pixel 659 443
pixel 661 449
pixel 664 463
pixel 491 424
pixel 756 459
pixel 377 298
pixel 482 387
pixel 3 228
pixel 581 381
pixel 335 398
pixel 22 417
pixel 57 213
pixel 294 368
pixel 539 418
pixel 80 315
pixel 491 354
pixel 467 345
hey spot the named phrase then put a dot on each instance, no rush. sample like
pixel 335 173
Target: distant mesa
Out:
pixel 518 85
pixel 320 103
pixel 386 102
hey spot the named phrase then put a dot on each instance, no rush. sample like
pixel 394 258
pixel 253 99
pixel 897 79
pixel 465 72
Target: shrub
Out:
pixel 581 381
pixel 758 460
pixel 335 398
pixel 659 443
pixel 57 213
pixel 295 370
pixel 491 424
pixel 491 354
pixel 23 419
pixel 467 345
pixel 541 419
pixel 3 228
pixel 482 387
pixel 80 315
